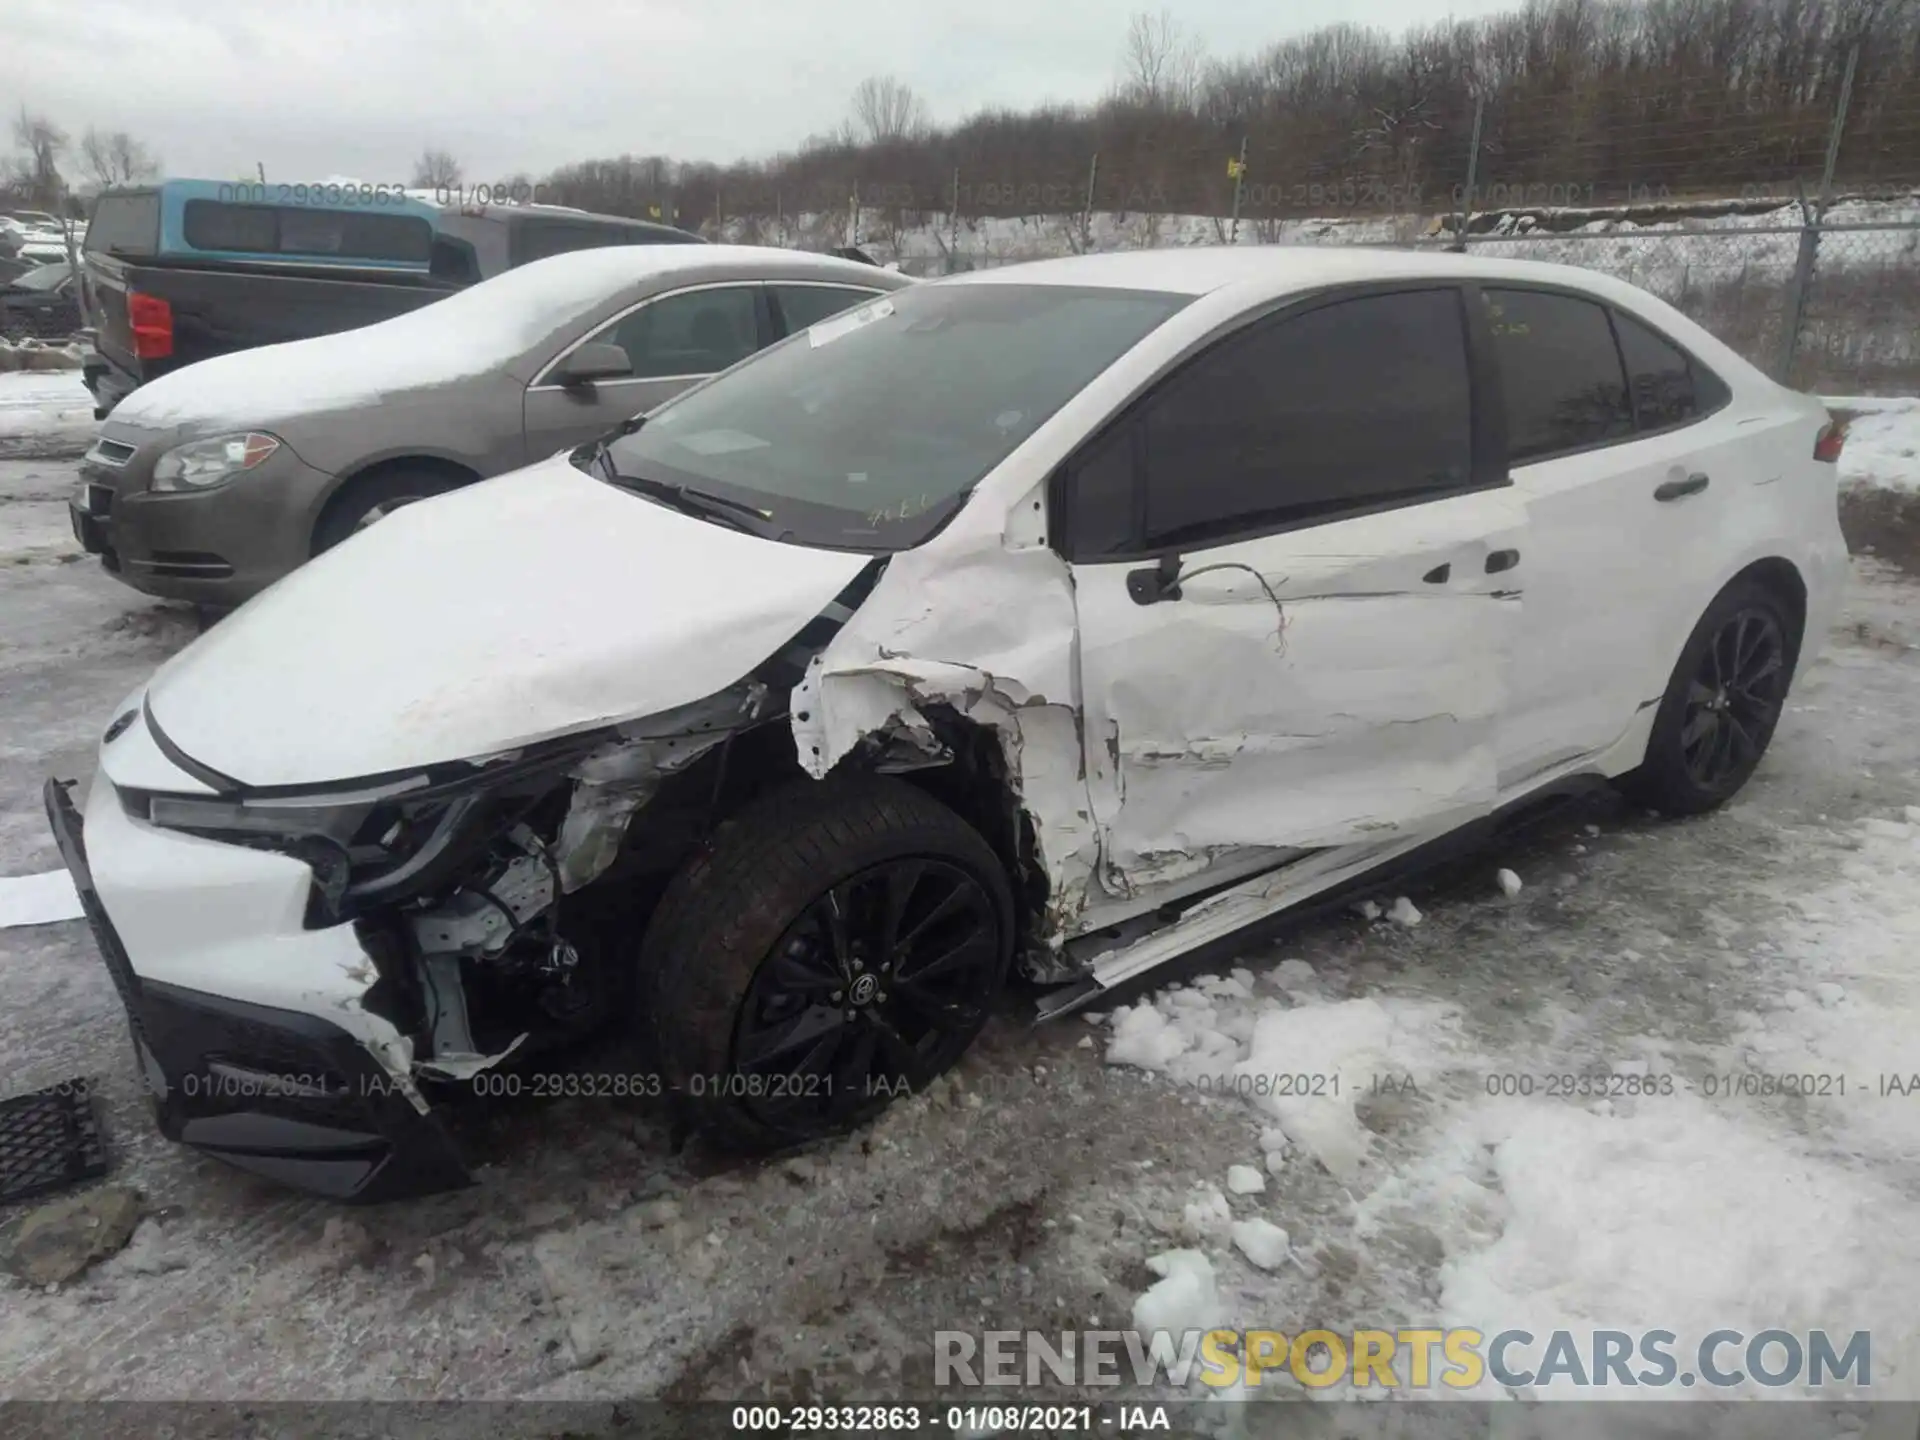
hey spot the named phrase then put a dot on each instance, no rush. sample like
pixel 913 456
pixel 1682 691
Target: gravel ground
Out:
pixel 593 1262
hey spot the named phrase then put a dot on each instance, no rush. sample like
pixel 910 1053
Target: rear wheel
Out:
pixel 372 498
pixel 1721 705
pixel 838 946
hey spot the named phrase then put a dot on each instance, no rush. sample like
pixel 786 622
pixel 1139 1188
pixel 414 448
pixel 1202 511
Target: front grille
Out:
pixel 110 452
pixel 99 501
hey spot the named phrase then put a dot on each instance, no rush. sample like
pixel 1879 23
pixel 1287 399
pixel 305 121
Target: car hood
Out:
pixel 533 605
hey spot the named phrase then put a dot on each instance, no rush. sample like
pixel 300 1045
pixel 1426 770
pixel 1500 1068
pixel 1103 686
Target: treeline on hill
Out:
pixel 1580 102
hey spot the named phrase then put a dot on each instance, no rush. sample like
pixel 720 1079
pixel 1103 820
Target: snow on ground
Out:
pixel 1760 1177
pixel 1883 443
pixel 1393 1083
pixel 44 413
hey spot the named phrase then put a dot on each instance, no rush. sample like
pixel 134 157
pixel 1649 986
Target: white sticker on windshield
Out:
pixel 721 442
pixel 830 330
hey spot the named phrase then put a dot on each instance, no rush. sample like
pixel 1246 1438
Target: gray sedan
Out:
pixel 211 483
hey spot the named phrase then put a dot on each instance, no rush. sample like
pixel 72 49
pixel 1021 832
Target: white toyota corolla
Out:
pixel 1075 616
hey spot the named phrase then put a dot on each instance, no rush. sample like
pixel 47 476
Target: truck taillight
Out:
pixel 152 320
pixel 1832 438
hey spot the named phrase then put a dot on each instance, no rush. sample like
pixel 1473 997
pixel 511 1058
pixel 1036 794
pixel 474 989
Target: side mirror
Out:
pixel 595 361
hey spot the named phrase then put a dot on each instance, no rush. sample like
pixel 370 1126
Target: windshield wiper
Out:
pixel 684 498
pixel 596 452
pixel 692 502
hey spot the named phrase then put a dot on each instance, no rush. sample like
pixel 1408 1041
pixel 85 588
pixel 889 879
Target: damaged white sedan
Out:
pixel 1072 616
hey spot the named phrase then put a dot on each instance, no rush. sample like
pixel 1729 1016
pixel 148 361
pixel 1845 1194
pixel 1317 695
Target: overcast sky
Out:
pixel 312 88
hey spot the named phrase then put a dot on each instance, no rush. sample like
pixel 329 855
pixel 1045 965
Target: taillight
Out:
pixel 1832 437
pixel 152 320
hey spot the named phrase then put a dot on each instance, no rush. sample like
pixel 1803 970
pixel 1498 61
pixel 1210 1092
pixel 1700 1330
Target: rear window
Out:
pixel 125 225
pixel 298 230
pixel 535 239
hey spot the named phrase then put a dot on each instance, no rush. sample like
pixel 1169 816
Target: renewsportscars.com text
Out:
pixel 1458 1359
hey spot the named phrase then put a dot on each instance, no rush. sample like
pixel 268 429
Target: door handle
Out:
pixel 1675 489
pixel 1502 560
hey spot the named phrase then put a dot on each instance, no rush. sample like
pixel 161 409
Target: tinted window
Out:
pixel 867 433
pixel 1667 388
pixel 535 239
pixel 1351 404
pixel 804 305
pixel 293 230
pixel 696 333
pixel 125 224
pixel 1560 371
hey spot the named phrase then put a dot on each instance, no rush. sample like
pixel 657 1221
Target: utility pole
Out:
pixel 1239 184
pixel 953 225
pixel 1473 173
pixel 1812 217
pixel 1086 212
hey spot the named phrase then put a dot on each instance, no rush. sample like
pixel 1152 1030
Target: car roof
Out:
pixel 616 266
pixel 1274 269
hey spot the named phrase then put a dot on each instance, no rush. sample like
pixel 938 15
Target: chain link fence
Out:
pixel 1811 269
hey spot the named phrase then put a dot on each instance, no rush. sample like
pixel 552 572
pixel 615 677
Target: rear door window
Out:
pixel 1560 371
pixel 1667 387
pixel 802 306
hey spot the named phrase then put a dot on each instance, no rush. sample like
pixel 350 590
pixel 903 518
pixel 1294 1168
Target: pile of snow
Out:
pixel 1692 1207
pixel 1883 443
pixel 1303 1066
pixel 44 413
pixel 1186 1297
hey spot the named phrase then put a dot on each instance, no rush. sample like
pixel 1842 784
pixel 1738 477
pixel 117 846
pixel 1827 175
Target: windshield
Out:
pixel 46 277
pixel 867 431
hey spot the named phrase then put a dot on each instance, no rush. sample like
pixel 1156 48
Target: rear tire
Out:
pixel 362 502
pixel 1721 704
pixel 839 944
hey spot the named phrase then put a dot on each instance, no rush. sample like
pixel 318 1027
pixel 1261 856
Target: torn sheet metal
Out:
pixel 621 776
pixel 987 634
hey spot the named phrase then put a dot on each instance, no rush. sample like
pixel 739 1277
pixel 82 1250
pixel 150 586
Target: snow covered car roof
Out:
pixel 484 327
pixel 1282 269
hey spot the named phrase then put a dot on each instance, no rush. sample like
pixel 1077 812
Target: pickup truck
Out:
pixel 185 270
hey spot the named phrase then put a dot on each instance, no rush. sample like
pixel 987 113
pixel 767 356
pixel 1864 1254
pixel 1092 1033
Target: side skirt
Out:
pixel 1223 924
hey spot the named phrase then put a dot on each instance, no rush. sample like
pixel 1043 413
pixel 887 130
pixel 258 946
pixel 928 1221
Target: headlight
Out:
pixel 200 463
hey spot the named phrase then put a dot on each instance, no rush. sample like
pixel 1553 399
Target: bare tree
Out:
pixel 436 170
pixel 886 109
pixel 36 173
pixel 1161 64
pixel 36 170
pixel 116 158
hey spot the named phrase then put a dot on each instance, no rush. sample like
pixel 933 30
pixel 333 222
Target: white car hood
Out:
pixel 524 607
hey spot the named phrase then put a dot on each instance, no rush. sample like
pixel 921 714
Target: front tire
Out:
pixel 371 498
pixel 1721 704
pixel 839 944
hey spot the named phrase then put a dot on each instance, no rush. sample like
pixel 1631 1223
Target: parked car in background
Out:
pixel 40 304
pixel 210 483
pixel 191 269
pixel 1079 616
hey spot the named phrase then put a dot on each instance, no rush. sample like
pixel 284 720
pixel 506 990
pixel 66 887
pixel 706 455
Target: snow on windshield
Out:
pixel 469 333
